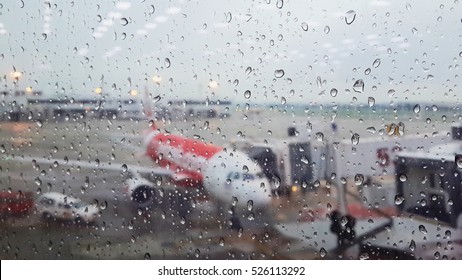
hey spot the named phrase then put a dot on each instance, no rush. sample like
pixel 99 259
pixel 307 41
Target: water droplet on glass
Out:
pixel 376 63
pixel 358 86
pixel 371 101
pixel 124 21
pixel 408 6
pixel 305 26
pixel 359 179
pixel 399 199
pixel 355 139
pixel 412 245
pixel 350 16
pixel 458 159
pixel 44 36
pixel 417 108
pixel 279 73
pixel 422 229
pixel 326 29
pixel 319 136
pixel 322 252
pixel 234 201
pixel 391 92
pixel 367 71
pixel 38 182
pixel 283 100
pixel 248 70
pixel 247 94
pixel 250 205
pixel 229 16
pixel 279 4
pixel 124 168
pixel 333 92
pixel 167 62
pixel 364 256
pixel 403 177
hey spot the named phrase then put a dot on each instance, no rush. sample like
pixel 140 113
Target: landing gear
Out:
pixel 235 223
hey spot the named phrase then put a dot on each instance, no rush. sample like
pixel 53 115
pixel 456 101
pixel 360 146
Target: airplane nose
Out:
pixel 262 195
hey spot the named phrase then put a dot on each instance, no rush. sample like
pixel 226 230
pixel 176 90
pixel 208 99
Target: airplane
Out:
pixel 227 176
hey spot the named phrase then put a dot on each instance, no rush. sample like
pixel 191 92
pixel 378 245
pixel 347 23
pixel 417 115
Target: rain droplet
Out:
pixel 422 229
pixel 333 92
pixel 124 168
pixel 367 71
pixel 44 36
pixel 222 242
pixel 371 101
pixel 279 4
pixel 319 136
pixel 229 16
pixel 391 92
pixel 350 16
pixel 283 100
pixel 305 26
pixel 248 70
pixel 250 205
pixel 326 29
pixel 399 199
pixel 245 169
pixel 355 139
pixel 412 245
pixel 376 63
pixel 364 256
pixel 247 94
pixel 124 21
pixel 319 82
pixel 322 252
pixel 358 86
pixel 359 179
pixel 279 73
pixel 403 177
pixel 458 159
pixel 167 62
pixel 234 201
pixel 408 6
pixel 417 108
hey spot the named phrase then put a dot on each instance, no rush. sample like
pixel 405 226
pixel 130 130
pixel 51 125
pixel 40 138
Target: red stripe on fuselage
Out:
pixel 201 151
pixel 187 145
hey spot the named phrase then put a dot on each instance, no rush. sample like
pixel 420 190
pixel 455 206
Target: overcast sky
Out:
pixel 68 48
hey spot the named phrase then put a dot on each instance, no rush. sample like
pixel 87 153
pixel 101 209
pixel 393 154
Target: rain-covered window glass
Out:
pixel 263 129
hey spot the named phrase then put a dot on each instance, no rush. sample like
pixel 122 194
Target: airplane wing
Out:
pixel 118 167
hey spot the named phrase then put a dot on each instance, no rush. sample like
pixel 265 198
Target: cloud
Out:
pixel 404 45
pixel 83 51
pixel 123 5
pixel 161 19
pixel 150 25
pixel 379 3
pixel 173 11
pixel 141 32
pixel 397 39
pixel 112 52
pixel 220 24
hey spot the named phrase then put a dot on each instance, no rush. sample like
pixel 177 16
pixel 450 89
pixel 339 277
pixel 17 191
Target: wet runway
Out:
pixel 125 232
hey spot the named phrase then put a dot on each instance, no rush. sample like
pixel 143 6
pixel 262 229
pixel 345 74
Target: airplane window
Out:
pixel 145 111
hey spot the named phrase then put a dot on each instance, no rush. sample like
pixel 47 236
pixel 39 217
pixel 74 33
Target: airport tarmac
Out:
pixel 123 231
